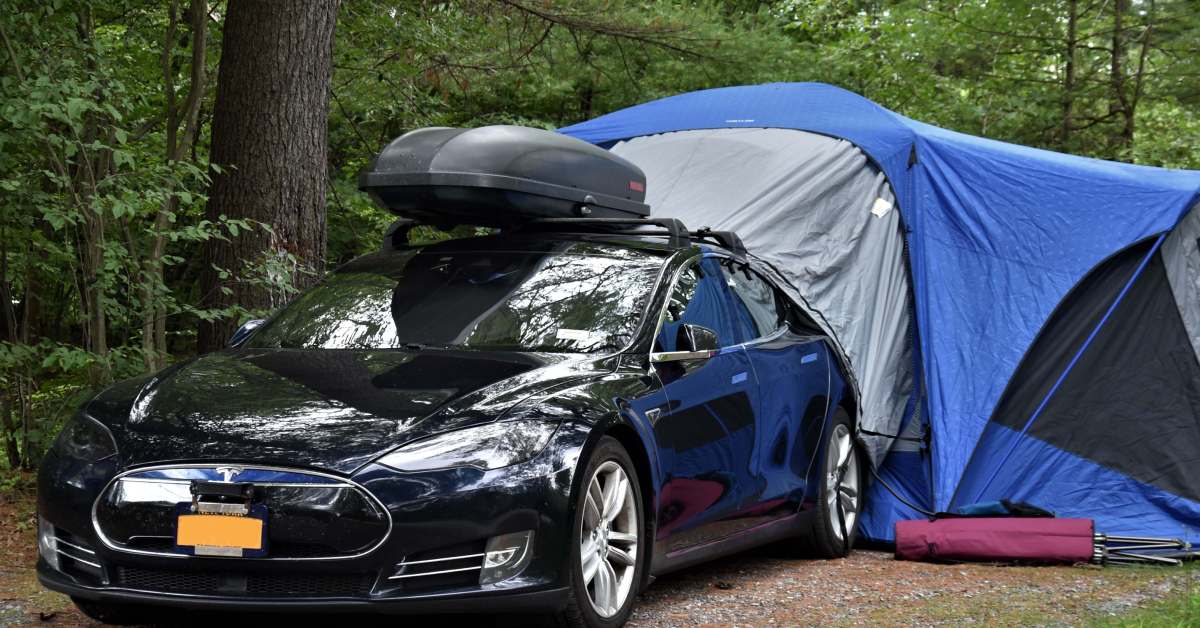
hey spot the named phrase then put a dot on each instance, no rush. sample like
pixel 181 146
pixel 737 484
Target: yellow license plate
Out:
pixel 220 531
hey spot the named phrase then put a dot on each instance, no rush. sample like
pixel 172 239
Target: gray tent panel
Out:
pixel 1182 259
pixel 818 210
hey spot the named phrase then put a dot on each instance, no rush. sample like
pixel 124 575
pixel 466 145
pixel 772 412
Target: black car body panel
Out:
pixel 724 450
pixel 334 410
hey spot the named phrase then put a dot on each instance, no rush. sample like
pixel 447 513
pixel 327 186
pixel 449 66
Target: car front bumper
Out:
pixel 430 561
pixel 531 601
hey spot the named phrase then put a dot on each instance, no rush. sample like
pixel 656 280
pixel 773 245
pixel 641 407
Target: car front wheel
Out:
pixel 608 547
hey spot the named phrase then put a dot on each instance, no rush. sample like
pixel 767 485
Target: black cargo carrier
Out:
pixel 502 176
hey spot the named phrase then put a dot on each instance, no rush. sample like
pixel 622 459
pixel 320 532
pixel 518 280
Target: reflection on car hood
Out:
pixel 332 409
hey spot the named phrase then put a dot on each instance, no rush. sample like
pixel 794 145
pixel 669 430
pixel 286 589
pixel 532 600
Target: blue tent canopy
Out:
pixel 997 237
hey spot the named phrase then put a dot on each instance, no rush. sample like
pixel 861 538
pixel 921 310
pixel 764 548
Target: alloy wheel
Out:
pixel 841 481
pixel 609 539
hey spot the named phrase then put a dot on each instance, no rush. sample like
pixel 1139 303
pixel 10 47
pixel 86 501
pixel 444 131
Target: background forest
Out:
pixel 161 179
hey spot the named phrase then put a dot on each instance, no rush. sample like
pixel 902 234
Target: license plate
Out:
pixel 205 534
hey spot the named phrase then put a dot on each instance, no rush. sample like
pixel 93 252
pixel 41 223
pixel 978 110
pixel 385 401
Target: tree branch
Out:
pixel 658 37
pixel 199 73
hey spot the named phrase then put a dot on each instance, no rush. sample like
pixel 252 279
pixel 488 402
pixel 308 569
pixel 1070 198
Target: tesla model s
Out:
pixel 535 421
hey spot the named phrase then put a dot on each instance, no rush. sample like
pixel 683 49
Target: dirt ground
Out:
pixel 760 588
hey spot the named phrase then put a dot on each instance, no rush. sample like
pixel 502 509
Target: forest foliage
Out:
pixel 107 106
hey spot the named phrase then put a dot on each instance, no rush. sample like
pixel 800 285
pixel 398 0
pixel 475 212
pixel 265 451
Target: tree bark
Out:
pixel 9 428
pixel 92 167
pixel 1068 100
pixel 1139 75
pixel 269 137
pixel 1120 98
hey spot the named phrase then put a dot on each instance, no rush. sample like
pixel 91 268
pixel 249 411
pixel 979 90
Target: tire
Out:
pixel 618 558
pixel 841 481
pixel 114 614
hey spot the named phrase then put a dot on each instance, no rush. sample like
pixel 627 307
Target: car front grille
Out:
pixel 257 585
pixel 310 515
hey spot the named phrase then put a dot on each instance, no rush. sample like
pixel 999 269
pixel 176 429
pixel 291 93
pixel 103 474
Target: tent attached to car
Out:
pixel 1021 324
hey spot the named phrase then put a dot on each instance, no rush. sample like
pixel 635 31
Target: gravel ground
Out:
pixel 870 588
pixel 759 588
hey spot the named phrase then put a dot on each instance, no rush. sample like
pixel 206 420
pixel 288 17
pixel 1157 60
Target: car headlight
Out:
pixel 485 447
pixel 85 439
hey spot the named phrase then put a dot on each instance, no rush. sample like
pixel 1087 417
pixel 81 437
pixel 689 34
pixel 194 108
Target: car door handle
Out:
pixel 739 378
pixel 808 359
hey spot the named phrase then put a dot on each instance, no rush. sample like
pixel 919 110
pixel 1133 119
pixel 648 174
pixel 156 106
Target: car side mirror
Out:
pixel 240 336
pixel 693 342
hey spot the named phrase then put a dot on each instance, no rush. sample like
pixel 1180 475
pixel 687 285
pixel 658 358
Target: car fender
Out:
pixel 593 409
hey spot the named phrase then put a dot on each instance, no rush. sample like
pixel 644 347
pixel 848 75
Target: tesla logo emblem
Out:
pixel 228 473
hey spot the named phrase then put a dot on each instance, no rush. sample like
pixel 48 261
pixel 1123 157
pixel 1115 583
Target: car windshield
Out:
pixel 574 299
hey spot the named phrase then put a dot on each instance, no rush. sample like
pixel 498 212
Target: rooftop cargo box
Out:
pixel 498 176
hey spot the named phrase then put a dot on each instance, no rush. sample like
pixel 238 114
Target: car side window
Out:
pixel 755 300
pixel 699 297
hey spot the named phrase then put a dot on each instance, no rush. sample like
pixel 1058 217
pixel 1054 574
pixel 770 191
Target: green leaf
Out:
pixel 76 108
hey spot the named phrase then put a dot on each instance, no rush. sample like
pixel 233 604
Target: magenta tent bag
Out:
pixel 1027 540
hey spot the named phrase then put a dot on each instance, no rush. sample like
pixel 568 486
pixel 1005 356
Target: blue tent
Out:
pixel 1055 300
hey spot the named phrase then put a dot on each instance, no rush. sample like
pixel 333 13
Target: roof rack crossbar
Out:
pixel 396 236
pixel 678 234
pixel 727 239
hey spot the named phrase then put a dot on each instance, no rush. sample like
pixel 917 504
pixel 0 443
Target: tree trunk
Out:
pixel 154 313
pixel 269 139
pixel 93 166
pixel 1148 12
pixel 1119 103
pixel 9 428
pixel 7 332
pixel 1068 100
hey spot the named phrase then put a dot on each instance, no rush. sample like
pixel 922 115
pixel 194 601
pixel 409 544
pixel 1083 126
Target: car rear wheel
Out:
pixel 607 552
pixel 840 502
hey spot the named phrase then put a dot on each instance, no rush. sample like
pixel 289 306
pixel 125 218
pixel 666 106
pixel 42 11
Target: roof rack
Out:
pixel 396 236
pixel 678 235
pixel 727 239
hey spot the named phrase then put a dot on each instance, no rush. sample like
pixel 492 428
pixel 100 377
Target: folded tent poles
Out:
pixel 1140 550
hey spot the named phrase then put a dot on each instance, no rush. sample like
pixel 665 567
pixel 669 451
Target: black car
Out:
pixel 541 420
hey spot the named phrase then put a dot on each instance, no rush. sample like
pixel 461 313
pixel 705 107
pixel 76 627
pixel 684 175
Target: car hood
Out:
pixel 330 409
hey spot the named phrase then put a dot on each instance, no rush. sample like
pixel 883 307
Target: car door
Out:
pixel 792 363
pixel 706 433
